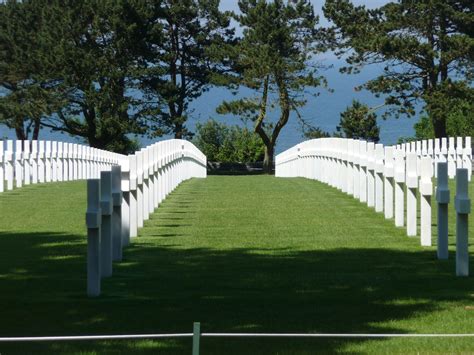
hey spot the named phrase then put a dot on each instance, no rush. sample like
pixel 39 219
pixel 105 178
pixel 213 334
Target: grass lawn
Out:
pixel 238 254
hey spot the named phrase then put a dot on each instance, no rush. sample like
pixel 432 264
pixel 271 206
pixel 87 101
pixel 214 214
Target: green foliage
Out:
pixel 358 121
pixel 25 90
pixel 422 45
pixel 274 59
pixel 424 128
pixel 188 55
pixel 316 132
pixel 223 143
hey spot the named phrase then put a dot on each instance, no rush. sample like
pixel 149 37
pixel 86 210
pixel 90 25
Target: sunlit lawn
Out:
pixel 238 254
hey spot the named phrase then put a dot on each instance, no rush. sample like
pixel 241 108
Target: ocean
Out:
pixel 322 111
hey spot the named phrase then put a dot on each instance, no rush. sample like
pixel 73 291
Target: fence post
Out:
pixel 399 187
pixel 350 167
pixel 125 186
pixel 356 173
pixel 34 162
pixel 9 165
pixel 26 163
pixel 196 337
pixel 426 191
pixel 451 158
pixel 93 222
pixel 379 167
pixel 370 174
pixel 106 232
pixel 2 180
pixel 412 185
pixel 467 157
pixel 117 213
pixel 459 152
pixel 443 198
pixel 133 196
pixel 47 165
pixel 54 161
pixel 463 208
pixel 19 163
pixel 363 171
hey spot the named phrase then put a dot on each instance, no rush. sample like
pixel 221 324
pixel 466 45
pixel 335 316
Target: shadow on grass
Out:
pixel 160 289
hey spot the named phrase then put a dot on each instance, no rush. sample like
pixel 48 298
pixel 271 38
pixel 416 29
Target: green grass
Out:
pixel 238 254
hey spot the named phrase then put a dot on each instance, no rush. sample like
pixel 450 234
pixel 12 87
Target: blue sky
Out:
pixel 231 5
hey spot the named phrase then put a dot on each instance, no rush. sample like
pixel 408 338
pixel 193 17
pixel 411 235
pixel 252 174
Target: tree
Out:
pixel 188 58
pixel 228 144
pixel 274 59
pixel 358 121
pixel 27 90
pixel 423 45
pixel 316 132
pixel 98 50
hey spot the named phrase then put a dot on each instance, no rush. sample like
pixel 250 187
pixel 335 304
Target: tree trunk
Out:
pixel 268 159
pixel 439 125
pixel 178 131
pixel 36 129
pixel 20 134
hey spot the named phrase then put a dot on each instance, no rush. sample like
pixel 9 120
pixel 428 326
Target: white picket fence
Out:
pixel 32 162
pixel 124 196
pixel 123 190
pixel 379 175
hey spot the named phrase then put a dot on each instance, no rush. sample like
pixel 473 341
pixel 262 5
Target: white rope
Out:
pixel 333 335
pixel 95 337
pixel 231 335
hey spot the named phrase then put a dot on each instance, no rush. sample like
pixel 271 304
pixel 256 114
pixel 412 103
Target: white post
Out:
pixel 467 157
pixel 2 170
pixel 26 163
pixel 350 167
pixel 47 166
pixel 133 196
pixel 71 159
pixel 125 186
pixel 459 152
pixel 41 162
pixel 117 213
pixel 66 162
pixel 363 171
pixel 146 185
pixel 60 165
pixel 19 163
pixel 54 161
pixel 34 162
pixel 139 189
pixel 451 159
pixel 356 171
pixel 106 232
pixel 9 165
pixel 463 208
pixel 437 154
pixel 156 171
pixel 426 191
pixel 93 222
pixel 443 198
pixel 379 167
pixel 412 185
pixel 370 174
pixel 389 174
pixel 75 166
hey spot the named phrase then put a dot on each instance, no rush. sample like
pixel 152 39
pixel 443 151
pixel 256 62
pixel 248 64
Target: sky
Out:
pixel 231 5
pixel 323 112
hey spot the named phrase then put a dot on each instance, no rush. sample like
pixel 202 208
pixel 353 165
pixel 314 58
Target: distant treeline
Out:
pixel 109 71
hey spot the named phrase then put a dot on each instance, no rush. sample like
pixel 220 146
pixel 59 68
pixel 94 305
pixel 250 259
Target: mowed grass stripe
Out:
pixel 238 253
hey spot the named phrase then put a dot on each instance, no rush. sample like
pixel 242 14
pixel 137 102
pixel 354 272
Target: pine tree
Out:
pixel 274 59
pixel 424 46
